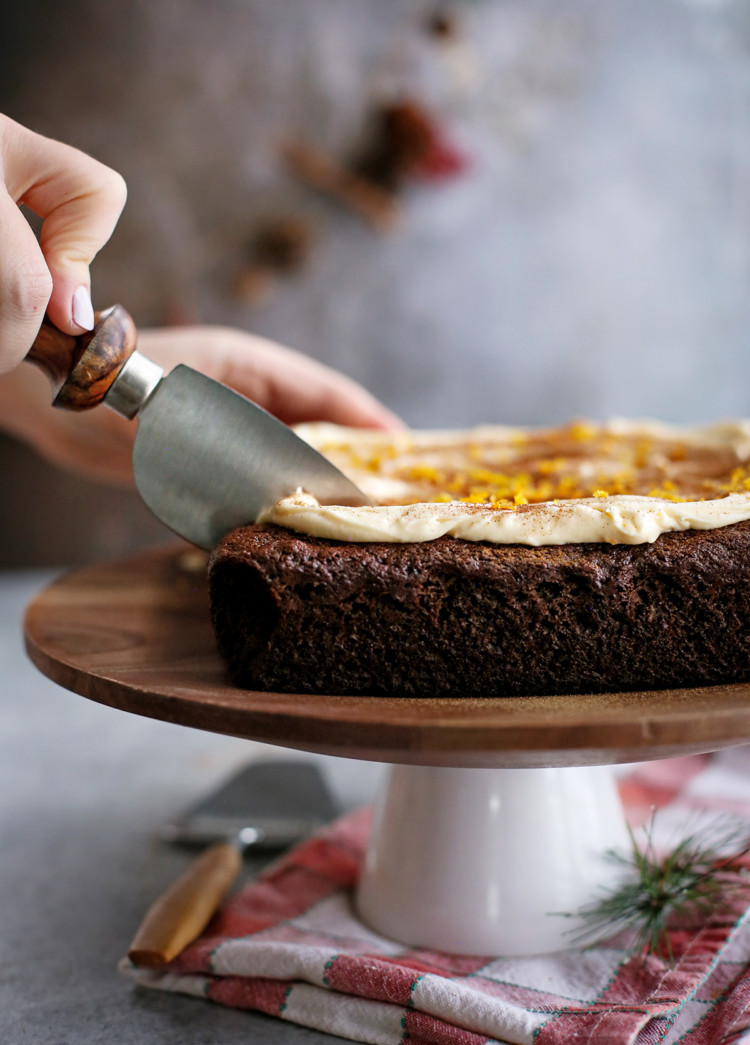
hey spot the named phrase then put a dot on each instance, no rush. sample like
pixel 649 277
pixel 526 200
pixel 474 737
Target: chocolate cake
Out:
pixel 451 616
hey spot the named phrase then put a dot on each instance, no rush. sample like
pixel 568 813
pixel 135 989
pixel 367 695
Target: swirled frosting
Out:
pixel 623 482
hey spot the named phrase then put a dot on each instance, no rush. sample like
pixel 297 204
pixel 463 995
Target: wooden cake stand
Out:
pixel 497 812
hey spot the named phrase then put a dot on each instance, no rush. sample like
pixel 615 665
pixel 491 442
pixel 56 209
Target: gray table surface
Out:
pixel 83 790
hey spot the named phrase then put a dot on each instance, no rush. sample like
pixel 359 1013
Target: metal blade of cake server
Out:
pixel 207 459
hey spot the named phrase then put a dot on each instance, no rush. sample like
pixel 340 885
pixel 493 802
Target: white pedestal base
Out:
pixel 482 861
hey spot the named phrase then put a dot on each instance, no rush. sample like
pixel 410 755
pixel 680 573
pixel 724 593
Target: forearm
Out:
pixel 25 396
pixel 96 443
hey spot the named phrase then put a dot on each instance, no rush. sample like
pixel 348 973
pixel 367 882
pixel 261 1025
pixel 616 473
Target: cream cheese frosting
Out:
pixel 624 482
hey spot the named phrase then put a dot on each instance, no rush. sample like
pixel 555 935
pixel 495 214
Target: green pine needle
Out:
pixel 692 878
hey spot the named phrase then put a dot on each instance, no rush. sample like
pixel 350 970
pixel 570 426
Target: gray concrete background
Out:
pixel 84 789
pixel 594 261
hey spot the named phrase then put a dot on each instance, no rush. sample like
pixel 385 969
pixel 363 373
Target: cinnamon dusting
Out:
pixel 579 460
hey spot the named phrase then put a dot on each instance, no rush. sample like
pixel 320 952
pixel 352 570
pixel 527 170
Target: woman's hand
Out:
pixel 79 201
pixel 98 443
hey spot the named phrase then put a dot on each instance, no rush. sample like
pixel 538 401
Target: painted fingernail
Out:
pixel 83 310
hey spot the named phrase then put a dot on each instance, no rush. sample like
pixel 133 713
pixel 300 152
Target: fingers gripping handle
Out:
pixel 83 368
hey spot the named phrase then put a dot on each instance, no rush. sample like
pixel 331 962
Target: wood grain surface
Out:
pixel 83 368
pixel 136 635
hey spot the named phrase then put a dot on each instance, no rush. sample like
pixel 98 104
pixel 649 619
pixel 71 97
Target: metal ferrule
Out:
pixel 133 385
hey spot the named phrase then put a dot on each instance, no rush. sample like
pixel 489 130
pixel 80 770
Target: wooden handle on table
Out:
pixel 180 915
pixel 82 368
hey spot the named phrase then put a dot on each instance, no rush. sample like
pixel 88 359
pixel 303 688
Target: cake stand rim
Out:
pixel 576 729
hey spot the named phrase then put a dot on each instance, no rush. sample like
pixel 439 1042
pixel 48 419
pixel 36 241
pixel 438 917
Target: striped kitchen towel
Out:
pixel 290 944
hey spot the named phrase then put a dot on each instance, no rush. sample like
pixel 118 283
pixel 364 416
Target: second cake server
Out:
pixel 205 458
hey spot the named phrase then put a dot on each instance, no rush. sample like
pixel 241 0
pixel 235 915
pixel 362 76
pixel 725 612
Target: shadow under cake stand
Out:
pixel 497 814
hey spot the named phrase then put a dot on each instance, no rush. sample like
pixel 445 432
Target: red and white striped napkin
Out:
pixel 290 944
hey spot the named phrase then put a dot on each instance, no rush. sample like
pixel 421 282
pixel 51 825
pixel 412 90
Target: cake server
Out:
pixel 266 806
pixel 205 458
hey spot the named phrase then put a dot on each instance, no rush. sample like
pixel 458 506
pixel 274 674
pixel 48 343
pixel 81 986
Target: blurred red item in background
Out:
pixel 405 142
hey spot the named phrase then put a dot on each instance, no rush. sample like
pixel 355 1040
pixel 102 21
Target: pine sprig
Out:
pixel 691 879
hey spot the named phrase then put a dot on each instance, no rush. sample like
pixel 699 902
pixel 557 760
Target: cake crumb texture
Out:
pixel 458 618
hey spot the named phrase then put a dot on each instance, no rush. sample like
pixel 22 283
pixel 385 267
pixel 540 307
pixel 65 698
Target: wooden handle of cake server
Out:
pixel 181 914
pixel 82 368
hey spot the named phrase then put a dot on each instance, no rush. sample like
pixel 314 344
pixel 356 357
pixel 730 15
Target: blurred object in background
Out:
pixel 279 247
pixel 592 258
